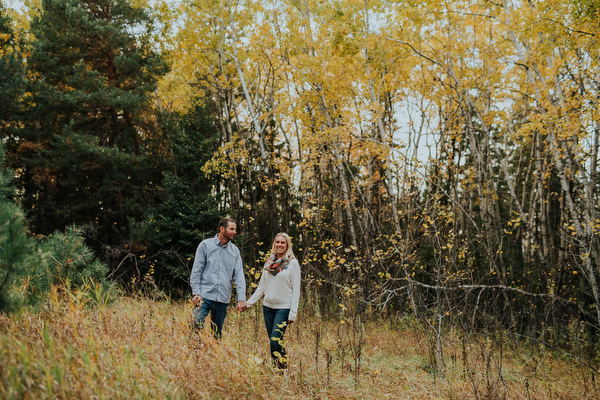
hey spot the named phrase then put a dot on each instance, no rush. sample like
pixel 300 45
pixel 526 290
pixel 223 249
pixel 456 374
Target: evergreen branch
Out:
pixel 5 277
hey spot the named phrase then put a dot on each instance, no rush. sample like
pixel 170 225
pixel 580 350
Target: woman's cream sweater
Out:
pixel 281 291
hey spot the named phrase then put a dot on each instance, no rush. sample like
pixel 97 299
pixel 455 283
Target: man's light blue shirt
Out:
pixel 214 267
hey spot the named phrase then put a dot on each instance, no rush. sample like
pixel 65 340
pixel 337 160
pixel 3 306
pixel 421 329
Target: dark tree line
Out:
pixel 88 146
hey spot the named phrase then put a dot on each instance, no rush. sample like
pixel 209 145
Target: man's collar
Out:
pixel 219 241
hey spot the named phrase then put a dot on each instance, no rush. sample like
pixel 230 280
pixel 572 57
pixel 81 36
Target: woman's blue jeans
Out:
pixel 217 310
pixel 276 323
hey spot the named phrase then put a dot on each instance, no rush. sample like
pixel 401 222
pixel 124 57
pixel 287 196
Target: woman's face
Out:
pixel 280 245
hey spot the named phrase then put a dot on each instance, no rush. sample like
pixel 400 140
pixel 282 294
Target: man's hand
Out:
pixel 196 300
pixel 241 306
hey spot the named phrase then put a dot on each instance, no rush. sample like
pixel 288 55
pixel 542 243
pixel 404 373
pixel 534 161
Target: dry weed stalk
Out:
pixel 138 348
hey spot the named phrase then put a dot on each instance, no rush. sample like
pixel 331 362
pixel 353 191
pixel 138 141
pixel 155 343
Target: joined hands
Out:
pixel 241 306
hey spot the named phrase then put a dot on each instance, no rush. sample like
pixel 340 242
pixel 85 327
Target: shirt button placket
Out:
pixel 219 267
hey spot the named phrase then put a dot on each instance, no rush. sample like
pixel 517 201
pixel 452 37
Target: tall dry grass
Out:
pixel 137 348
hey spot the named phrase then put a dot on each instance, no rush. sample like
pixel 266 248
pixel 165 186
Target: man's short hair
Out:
pixel 225 222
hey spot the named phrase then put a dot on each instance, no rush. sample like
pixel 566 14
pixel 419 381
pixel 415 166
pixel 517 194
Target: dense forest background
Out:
pixel 429 158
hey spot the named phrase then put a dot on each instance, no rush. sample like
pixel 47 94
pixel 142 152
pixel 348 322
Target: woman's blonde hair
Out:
pixel 289 254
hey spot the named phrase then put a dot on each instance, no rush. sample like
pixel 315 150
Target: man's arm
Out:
pixel 197 270
pixel 240 284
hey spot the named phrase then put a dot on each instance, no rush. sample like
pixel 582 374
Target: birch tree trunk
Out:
pixel 257 127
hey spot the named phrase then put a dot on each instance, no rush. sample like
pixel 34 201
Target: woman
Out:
pixel 280 284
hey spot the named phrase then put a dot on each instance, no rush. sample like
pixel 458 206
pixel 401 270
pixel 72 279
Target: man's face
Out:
pixel 229 232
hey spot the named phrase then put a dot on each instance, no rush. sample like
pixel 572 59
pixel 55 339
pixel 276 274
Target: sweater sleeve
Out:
pixel 260 290
pixel 296 279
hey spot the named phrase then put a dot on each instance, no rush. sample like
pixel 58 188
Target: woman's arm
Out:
pixel 296 279
pixel 260 290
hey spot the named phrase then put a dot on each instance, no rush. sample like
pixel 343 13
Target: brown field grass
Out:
pixel 143 349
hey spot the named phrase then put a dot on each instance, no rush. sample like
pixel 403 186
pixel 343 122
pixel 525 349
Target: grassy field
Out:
pixel 142 349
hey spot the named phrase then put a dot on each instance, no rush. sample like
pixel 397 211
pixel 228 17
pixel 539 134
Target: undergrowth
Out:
pixel 136 348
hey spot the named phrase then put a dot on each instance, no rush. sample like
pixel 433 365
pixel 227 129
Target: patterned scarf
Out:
pixel 274 265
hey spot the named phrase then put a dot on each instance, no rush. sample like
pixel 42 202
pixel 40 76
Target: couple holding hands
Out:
pixel 218 262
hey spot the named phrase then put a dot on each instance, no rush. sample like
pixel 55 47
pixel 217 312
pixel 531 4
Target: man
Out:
pixel 217 262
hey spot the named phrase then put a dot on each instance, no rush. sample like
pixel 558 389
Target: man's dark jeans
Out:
pixel 276 323
pixel 217 310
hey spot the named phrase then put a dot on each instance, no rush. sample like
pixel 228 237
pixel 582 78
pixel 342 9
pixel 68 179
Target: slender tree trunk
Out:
pixel 258 129
pixel 345 187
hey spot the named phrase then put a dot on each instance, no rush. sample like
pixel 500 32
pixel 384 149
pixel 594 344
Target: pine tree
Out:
pixel 72 263
pixel 85 152
pixel 18 255
pixel 188 210
pixel 18 251
pixel 12 78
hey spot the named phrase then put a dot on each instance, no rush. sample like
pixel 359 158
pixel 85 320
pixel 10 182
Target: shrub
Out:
pixel 18 257
pixel 18 254
pixel 71 263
